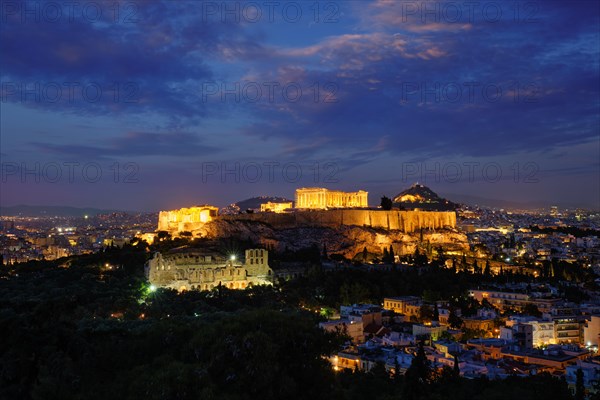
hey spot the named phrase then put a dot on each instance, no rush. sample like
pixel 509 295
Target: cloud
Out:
pixel 135 144
pixel 476 91
pixel 153 64
pixel 354 51
pixel 378 85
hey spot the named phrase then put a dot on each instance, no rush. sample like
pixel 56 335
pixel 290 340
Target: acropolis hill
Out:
pixel 316 207
pixel 345 230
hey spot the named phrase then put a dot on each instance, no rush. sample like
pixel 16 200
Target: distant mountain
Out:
pixel 252 203
pixel 51 211
pixel 420 196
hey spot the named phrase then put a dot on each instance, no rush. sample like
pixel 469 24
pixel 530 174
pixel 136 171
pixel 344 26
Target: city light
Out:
pixel 333 199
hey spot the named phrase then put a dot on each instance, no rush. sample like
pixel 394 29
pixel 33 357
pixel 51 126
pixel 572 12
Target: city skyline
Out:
pixel 154 105
pixel 239 199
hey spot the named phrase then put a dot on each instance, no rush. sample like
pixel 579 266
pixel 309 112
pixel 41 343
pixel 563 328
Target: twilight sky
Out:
pixel 148 105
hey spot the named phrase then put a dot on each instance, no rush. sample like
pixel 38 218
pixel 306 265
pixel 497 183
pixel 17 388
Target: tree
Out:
pixel 487 270
pixel 596 390
pixel 379 371
pixel 532 309
pixel 426 313
pixel 454 320
pixel 386 203
pixel 579 387
pixel 163 235
pixel 456 368
pixel 386 256
pixel 351 293
pixel 418 375
pixel 436 313
pixel 392 255
pixel 397 375
pixel 325 251
pixel 365 254
pixel 440 254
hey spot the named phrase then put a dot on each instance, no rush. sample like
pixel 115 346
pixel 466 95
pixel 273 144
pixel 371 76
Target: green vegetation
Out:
pixel 91 327
pixel 386 203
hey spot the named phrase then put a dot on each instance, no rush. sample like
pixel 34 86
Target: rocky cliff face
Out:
pixel 346 240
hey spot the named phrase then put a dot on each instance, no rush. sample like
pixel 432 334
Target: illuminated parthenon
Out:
pixel 321 198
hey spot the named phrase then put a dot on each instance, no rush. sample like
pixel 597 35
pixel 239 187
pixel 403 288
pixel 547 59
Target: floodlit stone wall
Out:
pixel 406 221
pixel 185 219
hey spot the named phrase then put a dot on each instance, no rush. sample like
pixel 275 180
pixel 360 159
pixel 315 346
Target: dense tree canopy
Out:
pixel 88 327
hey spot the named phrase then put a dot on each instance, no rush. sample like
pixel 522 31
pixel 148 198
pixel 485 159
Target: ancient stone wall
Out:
pixel 406 221
pixel 195 270
pixel 185 219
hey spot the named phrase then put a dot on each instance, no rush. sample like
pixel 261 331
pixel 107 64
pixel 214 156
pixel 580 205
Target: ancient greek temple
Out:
pixel 321 198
